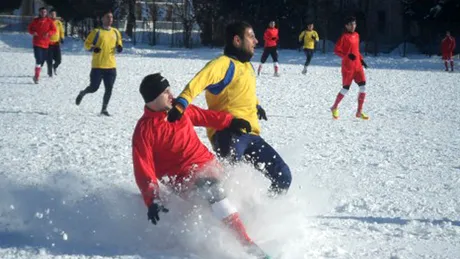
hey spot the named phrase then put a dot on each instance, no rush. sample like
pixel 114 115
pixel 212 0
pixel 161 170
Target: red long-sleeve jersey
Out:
pixel 349 43
pixel 44 28
pixel 161 148
pixel 448 45
pixel 271 37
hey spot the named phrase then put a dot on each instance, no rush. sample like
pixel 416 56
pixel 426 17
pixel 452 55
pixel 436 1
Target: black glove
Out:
pixel 154 212
pixel 273 38
pixel 62 41
pixel 364 63
pixel 313 37
pixel 119 48
pixel 97 50
pixel 261 113
pixel 239 124
pixel 351 56
pixel 176 112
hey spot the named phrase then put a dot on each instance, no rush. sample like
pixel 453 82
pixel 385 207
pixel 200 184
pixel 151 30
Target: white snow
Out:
pixel 384 188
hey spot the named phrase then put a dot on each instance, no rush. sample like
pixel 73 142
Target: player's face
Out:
pixel 272 24
pixel 448 33
pixel 107 19
pixel 351 27
pixel 249 42
pixel 53 15
pixel 310 27
pixel 43 13
pixel 164 100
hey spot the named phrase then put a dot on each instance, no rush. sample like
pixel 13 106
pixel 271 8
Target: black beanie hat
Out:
pixel 152 86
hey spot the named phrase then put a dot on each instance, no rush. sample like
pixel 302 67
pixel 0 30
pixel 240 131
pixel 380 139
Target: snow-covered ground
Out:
pixel 384 188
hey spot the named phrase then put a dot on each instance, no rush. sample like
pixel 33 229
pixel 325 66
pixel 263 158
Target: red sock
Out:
pixel 234 223
pixel 37 72
pixel 338 99
pixel 276 69
pixel 361 98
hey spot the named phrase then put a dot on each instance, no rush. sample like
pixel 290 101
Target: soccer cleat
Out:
pixel 335 113
pixel 79 98
pixel 55 73
pixel 304 71
pixel 362 115
pixel 256 251
pixel 35 79
pixel 276 74
pixel 105 113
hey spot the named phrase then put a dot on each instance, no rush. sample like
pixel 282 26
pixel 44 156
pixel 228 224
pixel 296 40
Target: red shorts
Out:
pixel 350 75
pixel 447 56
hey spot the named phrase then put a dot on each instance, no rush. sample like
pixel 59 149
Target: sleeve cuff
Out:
pixel 182 102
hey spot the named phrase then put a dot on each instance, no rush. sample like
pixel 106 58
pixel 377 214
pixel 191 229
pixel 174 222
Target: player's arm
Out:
pixel 338 49
pixel 91 40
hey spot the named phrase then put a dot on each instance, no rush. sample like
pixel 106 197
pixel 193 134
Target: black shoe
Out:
pixel 55 71
pixel 35 79
pixel 105 113
pixel 50 74
pixel 79 98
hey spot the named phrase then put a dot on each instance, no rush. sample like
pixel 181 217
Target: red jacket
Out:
pixel 161 148
pixel 44 28
pixel 349 43
pixel 448 44
pixel 271 37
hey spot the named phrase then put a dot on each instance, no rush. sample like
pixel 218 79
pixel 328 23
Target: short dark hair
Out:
pixel 349 19
pixel 235 28
pixel 42 8
pixel 52 10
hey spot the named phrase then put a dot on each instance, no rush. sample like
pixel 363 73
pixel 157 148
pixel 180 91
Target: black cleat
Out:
pixel 35 79
pixel 105 113
pixel 79 98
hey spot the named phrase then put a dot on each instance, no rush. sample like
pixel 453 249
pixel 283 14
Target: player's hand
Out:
pixel 96 50
pixel 261 113
pixel 153 213
pixel 176 112
pixel 274 38
pixel 119 48
pixel 313 37
pixel 351 56
pixel 237 125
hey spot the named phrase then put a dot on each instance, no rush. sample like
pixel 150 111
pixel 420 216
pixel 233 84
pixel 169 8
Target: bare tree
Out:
pixel 187 17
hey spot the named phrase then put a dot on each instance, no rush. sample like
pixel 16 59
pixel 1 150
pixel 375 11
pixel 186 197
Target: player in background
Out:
pixel 41 27
pixel 308 37
pixel 270 47
pixel 54 50
pixel 447 50
pixel 172 153
pixel 347 47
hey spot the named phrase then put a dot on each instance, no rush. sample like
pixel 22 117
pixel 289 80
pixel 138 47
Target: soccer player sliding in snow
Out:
pixel 163 149
pixel 347 47
pixel 230 84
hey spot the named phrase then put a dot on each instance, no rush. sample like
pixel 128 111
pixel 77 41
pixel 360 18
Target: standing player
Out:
pixel 54 50
pixel 347 47
pixel 309 37
pixel 103 42
pixel 41 28
pixel 447 49
pixel 270 48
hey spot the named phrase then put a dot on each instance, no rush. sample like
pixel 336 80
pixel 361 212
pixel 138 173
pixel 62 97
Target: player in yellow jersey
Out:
pixel 230 84
pixel 54 50
pixel 103 42
pixel 309 37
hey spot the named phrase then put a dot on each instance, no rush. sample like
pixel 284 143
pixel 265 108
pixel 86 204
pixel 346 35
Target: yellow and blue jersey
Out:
pixel 230 87
pixel 307 37
pixel 106 40
pixel 59 35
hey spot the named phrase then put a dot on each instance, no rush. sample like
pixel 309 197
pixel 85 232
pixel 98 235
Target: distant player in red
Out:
pixel 172 153
pixel 447 49
pixel 41 28
pixel 347 47
pixel 270 47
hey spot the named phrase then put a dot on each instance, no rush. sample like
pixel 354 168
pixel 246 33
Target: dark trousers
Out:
pixel 272 51
pixel 54 53
pixel 40 55
pixel 258 152
pixel 308 55
pixel 96 76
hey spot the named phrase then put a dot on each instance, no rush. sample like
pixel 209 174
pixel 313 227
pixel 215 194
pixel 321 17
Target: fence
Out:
pixel 167 33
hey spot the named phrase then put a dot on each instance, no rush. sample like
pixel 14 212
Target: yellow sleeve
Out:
pixel 317 36
pixel 89 40
pixel 119 39
pixel 61 30
pixel 214 72
pixel 302 34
